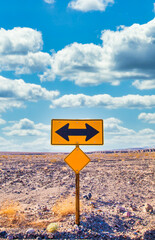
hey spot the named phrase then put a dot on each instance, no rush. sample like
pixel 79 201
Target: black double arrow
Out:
pixel 65 132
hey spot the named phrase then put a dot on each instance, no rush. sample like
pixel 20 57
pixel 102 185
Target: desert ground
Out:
pixel 116 196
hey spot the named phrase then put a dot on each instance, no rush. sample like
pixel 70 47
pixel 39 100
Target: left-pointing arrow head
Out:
pixel 63 132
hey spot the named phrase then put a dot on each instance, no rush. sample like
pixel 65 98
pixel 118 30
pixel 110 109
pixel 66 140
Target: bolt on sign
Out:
pixel 77 132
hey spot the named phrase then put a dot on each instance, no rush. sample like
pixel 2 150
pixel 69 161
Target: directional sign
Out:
pixel 77 160
pixel 73 132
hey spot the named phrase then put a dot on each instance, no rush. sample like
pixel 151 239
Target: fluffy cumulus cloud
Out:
pixel 26 127
pixel 13 93
pixel 20 40
pixel 20 51
pixel 89 5
pixel 144 85
pixel 105 100
pixel 125 54
pixel 147 117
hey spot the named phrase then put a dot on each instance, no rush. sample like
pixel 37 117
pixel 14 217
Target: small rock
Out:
pixel 76 227
pixel 87 197
pixel 52 227
pixel 127 214
pixel 148 208
pixel 45 208
pixel 134 208
pixel 30 231
pixel 120 209
pixel 10 236
pixel 3 234
pixel 38 238
pixel 92 205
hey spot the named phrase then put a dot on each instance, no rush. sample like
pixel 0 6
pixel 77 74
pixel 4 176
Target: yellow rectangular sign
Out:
pixel 77 132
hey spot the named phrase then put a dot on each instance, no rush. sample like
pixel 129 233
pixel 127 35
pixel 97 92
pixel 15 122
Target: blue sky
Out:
pixel 80 59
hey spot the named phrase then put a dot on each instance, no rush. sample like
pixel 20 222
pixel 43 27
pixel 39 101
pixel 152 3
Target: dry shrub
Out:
pixel 10 214
pixel 65 206
pixel 40 223
pixel 53 160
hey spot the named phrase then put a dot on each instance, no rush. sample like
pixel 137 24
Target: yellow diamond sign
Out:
pixel 77 160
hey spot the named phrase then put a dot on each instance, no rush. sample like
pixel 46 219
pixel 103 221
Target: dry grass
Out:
pixel 65 206
pixel 11 214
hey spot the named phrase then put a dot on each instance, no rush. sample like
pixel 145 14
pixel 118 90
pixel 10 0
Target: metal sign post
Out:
pixel 77 132
pixel 77 200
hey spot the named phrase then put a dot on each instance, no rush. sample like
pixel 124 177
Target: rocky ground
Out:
pixel 116 192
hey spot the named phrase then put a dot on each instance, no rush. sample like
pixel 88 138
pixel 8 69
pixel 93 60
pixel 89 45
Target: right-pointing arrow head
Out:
pixel 91 132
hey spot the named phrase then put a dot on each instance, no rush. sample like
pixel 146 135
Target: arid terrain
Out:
pixel 116 194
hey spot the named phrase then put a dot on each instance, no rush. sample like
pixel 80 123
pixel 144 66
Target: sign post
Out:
pixel 77 183
pixel 77 132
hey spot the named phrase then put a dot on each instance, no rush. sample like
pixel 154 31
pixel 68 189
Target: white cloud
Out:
pixel 112 126
pixel 8 145
pixel 147 117
pixel 26 127
pixel 147 131
pixel 118 137
pixel 6 103
pixel 105 100
pixel 144 85
pixel 89 5
pixel 2 121
pixel 21 90
pixel 142 138
pixel 20 41
pixel 126 54
pixel 13 93
pixel 49 1
pixel 25 63
pixel 20 51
